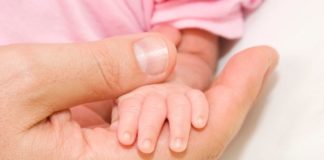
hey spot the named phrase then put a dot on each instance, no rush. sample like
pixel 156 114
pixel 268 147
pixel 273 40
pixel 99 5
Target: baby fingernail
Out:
pixel 146 146
pixel 152 55
pixel 177 145
pixel 127 136
pixel 199 122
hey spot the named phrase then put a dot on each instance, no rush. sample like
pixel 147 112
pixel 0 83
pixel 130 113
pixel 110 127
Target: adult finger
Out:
pixel 46 78
pixel 234 92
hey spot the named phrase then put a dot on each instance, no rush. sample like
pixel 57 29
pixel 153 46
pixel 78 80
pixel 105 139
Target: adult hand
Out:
pixel 230 97
pixel 40 82
pixel 33 128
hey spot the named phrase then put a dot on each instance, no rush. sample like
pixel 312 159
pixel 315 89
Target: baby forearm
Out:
pixel 197 58
pixel 192 71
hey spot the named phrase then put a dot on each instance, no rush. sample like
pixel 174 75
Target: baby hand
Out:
pixel 143 112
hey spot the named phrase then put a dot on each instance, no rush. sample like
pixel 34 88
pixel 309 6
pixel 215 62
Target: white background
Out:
pixel 287 122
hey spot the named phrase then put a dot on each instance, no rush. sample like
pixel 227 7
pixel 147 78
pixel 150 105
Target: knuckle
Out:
pixel 106 66
pixel 132 109
pixel 157 110
pixel 133 97
pixel 150 127
pixel 196 93
pixel 178 100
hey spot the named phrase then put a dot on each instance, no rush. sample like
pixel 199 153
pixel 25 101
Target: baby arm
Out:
pixel 196 59
pixel 180 99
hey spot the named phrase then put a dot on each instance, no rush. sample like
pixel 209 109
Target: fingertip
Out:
pixel 126 137
pixel 266 56
pixel 172 56
pixel 199 122
pixel 178 145
pixel 273 57
pixel 269 53
pixel 200 108
pixel 146 146
pixel 128 62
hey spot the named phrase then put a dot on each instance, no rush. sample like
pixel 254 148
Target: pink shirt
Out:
pixel 84 20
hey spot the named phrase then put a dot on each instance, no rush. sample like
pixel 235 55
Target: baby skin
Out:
pixel 180 100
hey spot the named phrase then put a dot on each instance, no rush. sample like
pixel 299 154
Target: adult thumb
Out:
pixel 54 77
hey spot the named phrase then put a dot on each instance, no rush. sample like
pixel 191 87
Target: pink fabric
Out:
pixel 76 20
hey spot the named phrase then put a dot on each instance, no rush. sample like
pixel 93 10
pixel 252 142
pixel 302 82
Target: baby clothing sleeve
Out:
pixel 221 17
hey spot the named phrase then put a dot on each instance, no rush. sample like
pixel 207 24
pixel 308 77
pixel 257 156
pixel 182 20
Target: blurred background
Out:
pixel 287 122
